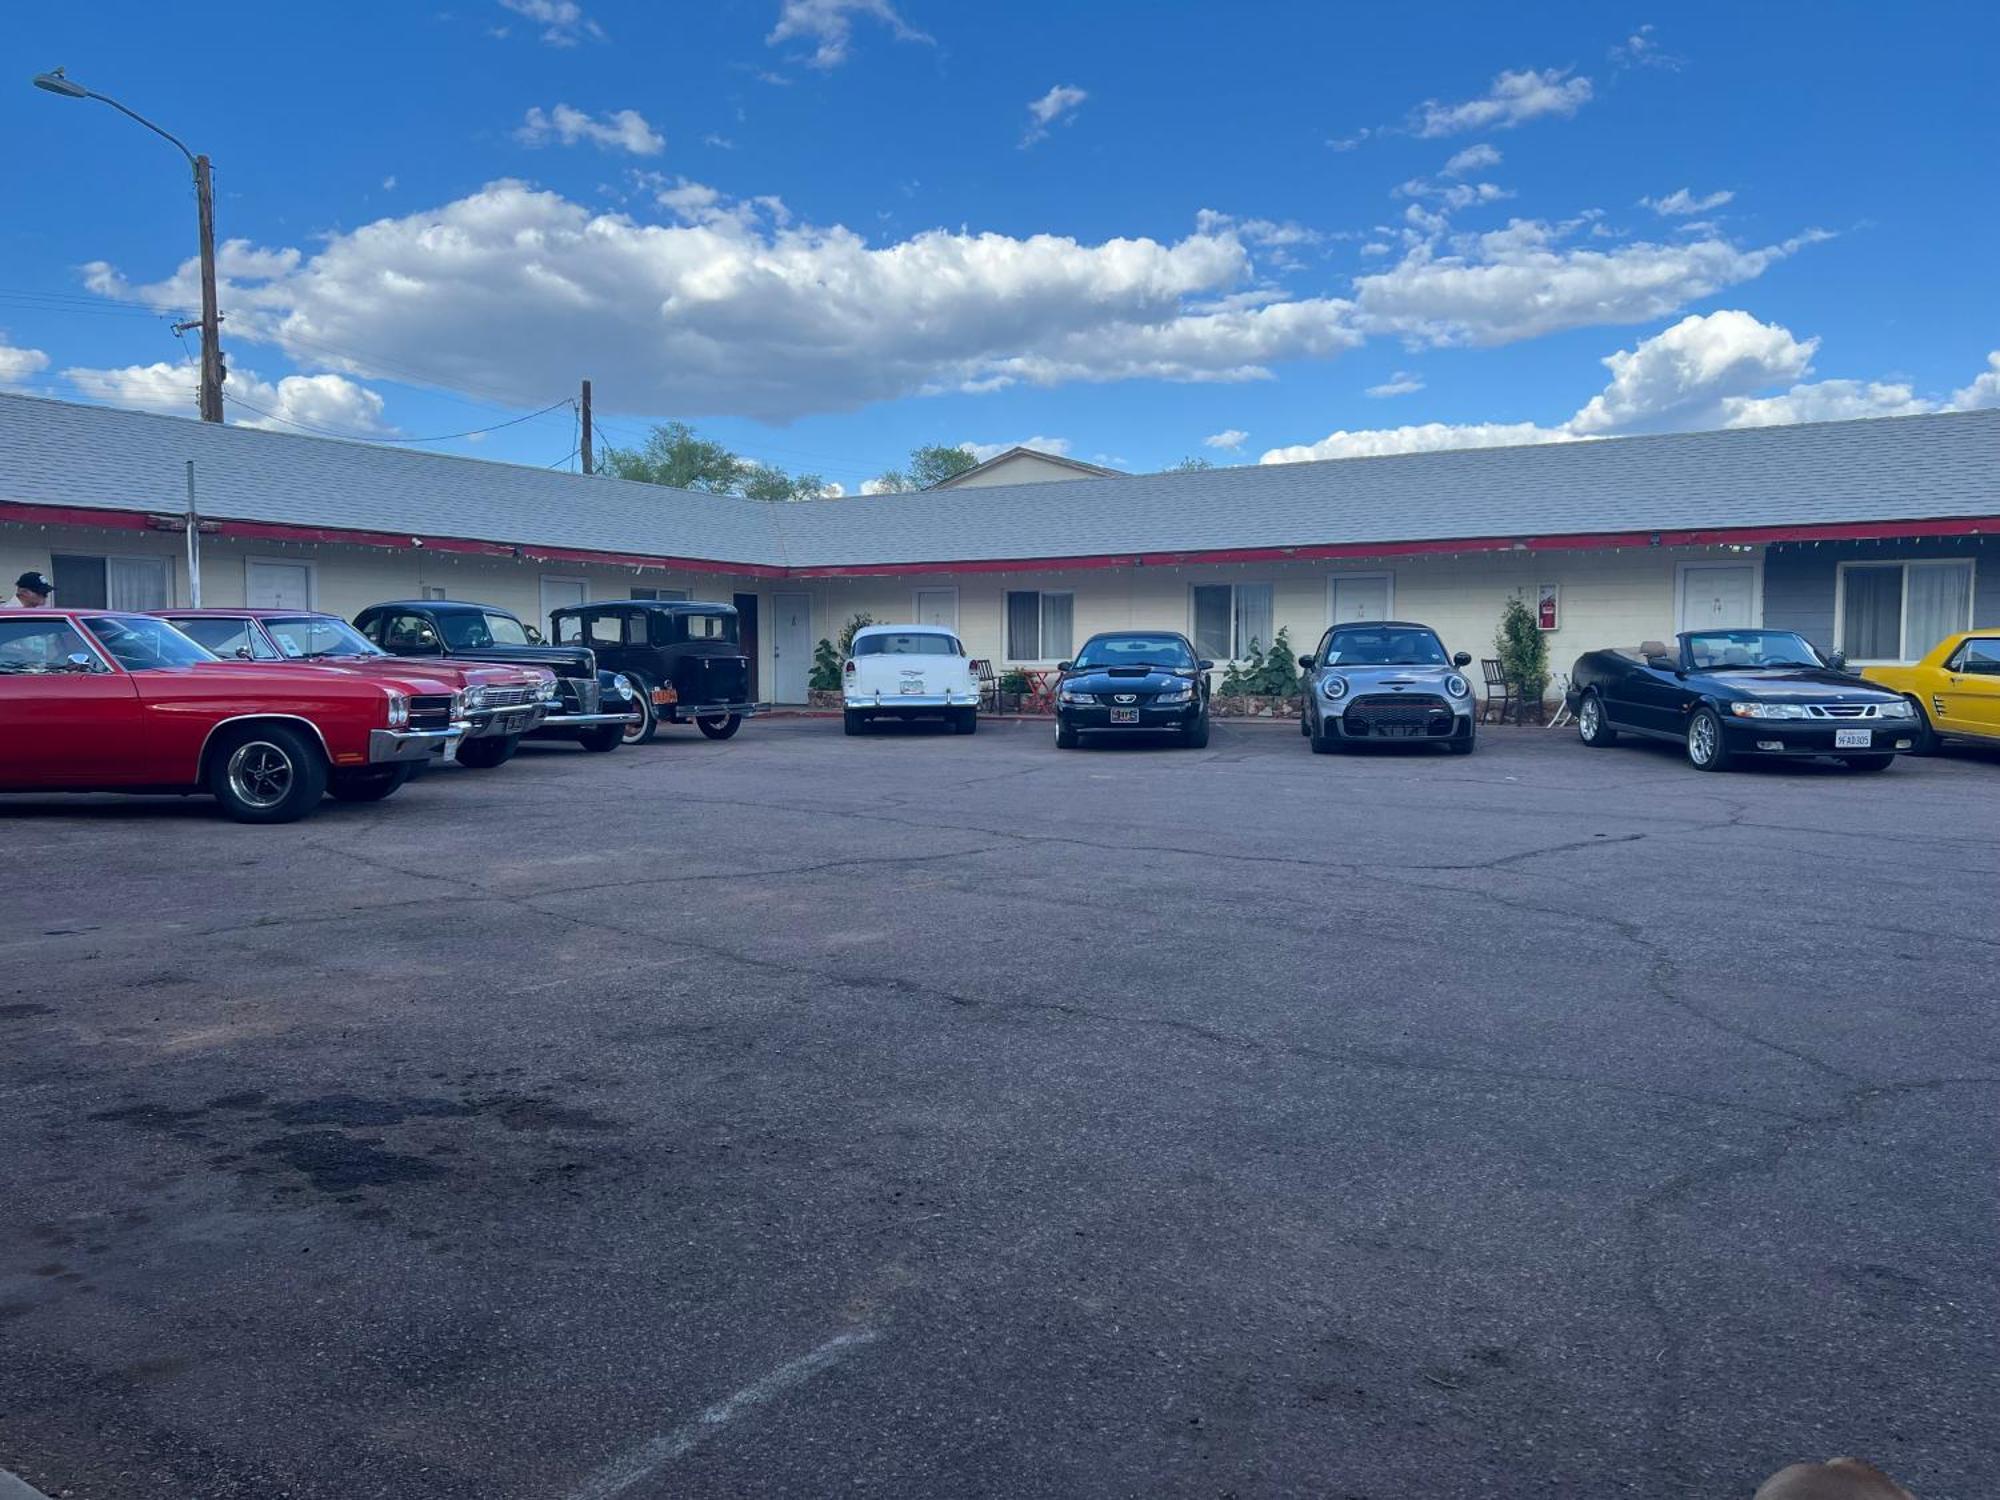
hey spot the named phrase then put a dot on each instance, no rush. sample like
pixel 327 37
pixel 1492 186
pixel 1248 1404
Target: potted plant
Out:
pixel 1013 688
pixel 1524 656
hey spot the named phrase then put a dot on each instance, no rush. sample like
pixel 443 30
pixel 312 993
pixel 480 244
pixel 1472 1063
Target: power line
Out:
pixel 374 438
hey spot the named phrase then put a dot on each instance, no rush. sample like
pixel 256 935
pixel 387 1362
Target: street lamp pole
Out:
pixel 212 373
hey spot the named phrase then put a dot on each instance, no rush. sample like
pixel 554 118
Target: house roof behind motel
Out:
pixel 1933 467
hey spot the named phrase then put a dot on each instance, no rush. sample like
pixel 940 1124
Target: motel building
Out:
pixel 1874 537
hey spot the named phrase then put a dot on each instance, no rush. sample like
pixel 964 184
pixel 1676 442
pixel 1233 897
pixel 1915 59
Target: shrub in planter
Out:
pixel 1523 652
pixel 826 667
pixel 1265 684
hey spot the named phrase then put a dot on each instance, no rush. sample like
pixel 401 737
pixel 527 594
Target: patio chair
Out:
pixel 1499 692
pixel 989 684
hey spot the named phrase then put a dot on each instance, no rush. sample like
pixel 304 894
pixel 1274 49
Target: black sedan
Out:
pixel 1726 694
pixel 1133 682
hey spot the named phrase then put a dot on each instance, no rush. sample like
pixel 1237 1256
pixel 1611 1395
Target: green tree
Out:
pixel 1523 651
pixel 851 629
pixel 1278 674
pixel 673 455
pixel 764 482
pixel 825 668
pixel 892 482
pixel 1192 464
pixel 934 463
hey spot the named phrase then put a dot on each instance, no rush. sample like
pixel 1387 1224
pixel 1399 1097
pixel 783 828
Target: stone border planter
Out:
pixel 824 698
pixel 1253 706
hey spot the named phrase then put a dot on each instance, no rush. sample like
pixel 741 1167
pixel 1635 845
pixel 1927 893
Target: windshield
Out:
pixel 1386 646
pixel 469 632
pixel 143 644
pixel 1134 651
pixel 1725 650
pixel 307 636
pixel 907 643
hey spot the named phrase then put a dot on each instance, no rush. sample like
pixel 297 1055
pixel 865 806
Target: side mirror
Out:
pixel 1462 659
pixel 81 661
pixel 1838 661
pixel 1306 662
pixel 1064 666
pixel 242 653
pixel 1205 665
pixel 534 635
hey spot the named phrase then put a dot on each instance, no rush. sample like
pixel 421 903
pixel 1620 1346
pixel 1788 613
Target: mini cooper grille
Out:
pixel 1397 714
pixel 430 712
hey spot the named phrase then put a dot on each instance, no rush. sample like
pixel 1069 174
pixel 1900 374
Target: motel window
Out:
pixel 1228 617
pixel 1040 627
pixel 125 583
pixel 657 594
pixel 1898 611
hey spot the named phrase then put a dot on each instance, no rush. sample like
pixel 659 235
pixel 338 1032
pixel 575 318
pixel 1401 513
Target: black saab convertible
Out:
pixel 1726 694
pixel 1129 682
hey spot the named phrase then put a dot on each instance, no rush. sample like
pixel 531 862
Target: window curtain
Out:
pixel 1024 626
pixel 1940 604
pixel 1211 621
pixel 1872 613
pixel 1058 626
pixel 1253 617
pixel 136 583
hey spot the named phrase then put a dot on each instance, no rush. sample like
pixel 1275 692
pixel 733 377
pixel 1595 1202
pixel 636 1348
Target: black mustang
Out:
pixel 1730 693
pixel 1132 680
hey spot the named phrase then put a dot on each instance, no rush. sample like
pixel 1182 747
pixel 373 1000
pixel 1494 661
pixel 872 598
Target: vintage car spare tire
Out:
pixel 267 773
pixel 642 732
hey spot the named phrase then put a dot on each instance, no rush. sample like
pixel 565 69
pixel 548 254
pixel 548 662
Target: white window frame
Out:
pixel 1756 567
pixel 1235 622
pixel 1006 627
pixel 916 617
pixel 1903 618
pixel 1334 579
pixel 312 574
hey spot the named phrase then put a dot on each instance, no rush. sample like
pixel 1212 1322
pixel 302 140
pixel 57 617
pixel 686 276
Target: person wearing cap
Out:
pixel 31 591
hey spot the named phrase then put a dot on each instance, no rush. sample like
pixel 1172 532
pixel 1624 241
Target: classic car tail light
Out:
pixel 849 668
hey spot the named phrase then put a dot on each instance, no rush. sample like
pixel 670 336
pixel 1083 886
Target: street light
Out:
pixel 204 197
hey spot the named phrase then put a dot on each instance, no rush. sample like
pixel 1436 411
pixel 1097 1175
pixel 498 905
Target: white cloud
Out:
pixel 328 403
pixel 618 130
pixel 1985 387
pixel 1349 142
pixel 1057 106
pixel 1513 99
pixel 1450 196
pixel 1229 438
pixel 983 451
pixel 563 22
pixel 1703 372
pixel 1402 383
pixel 389 184
pixel 1680 203
pixel 1639 50
pixel 876 487
pixel 17 364
pixel 718 142
pixel 829 26
pixel 1521 282
pixel 1472 159
pixel 737 311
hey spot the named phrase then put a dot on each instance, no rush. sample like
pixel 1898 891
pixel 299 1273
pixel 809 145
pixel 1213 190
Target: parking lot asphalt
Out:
pixel 926 1115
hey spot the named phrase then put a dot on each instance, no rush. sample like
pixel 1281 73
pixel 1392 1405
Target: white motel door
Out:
pixel 938 607
pixel 791 647
pixel 1362 597
pixel 279 586
pixel 560 593
pixel 1718 598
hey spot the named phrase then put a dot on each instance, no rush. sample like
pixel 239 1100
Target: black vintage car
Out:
pixel 594 707
pixel 1726 694
pixel 1130 682
pixel 683 656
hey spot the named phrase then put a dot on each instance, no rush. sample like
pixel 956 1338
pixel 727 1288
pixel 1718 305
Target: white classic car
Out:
pixel 909 672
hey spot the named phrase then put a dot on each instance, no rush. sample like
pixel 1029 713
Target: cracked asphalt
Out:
pixel 920 1115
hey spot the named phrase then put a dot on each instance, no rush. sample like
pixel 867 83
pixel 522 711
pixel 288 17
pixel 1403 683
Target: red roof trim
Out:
pixel 1840 531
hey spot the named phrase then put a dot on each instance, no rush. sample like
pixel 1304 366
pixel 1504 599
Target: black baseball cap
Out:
pixel 34 583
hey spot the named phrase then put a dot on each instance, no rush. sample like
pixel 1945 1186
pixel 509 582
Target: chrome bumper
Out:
pixel 521 718
pixel 587 721
pixel 687 713
pixel 386 746
pixel 967 699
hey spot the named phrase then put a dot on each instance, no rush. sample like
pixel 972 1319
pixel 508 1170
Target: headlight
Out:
pixel 1457 687
pixel 1334 687
pixel 1071 695
pixel 1769 710
pixel 399 709
pixel 475 697
pixel 1900 709
pixel 545 691
pixel 622 686
pixel 1179 693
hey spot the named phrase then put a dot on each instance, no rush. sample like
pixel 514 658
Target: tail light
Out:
pixel 849 668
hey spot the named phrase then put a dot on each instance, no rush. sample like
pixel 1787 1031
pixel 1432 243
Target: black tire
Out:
pixel 1868 762
pixel 1305 724
pixel 1195 736
pixel 720 726
pixel 1466 745
pixel 1707 750
pixel 1926 740
pixel 965 721
pixel 369 786
pixel 1591 726
pixel 488 751
pixel 610 737
pixel 1066 738
pixel 853 721
pixel 1322 742
pixel 649 722
pixel 270 774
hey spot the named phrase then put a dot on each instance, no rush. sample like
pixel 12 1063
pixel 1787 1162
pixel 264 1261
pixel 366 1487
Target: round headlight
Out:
pixel 622 686
pixel 475 697
pixel 546 689
pixel 1334 687
pixel 1457 686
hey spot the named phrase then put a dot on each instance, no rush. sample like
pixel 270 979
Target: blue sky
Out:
pixel 827 230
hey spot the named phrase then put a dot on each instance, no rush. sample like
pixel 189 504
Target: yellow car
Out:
pixel 1956 689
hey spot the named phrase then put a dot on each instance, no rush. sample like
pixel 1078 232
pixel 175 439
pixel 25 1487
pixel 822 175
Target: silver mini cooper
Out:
pixel 1386 680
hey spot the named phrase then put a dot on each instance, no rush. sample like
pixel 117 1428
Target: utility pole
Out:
pixel 212 372
pixel 585 446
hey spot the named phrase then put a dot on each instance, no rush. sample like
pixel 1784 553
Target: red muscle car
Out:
pixel 105 701
pixel 503 700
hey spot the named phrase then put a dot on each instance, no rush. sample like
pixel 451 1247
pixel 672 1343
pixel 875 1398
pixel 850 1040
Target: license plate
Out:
pixel 1124 715
pixel 450 747
pixel 515 723
pixel 913 687
pixel 1852 739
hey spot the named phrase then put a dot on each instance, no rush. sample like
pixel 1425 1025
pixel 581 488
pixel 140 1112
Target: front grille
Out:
pixel 430 712
pixel 1842 710
pixel 508 697
pixel 1398 715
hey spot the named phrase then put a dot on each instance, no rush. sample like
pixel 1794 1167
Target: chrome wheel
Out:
pixel 1589 718
pixel 261 774
pixel 1701 740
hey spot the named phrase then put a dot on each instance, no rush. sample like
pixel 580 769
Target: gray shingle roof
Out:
pixel 1938 466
